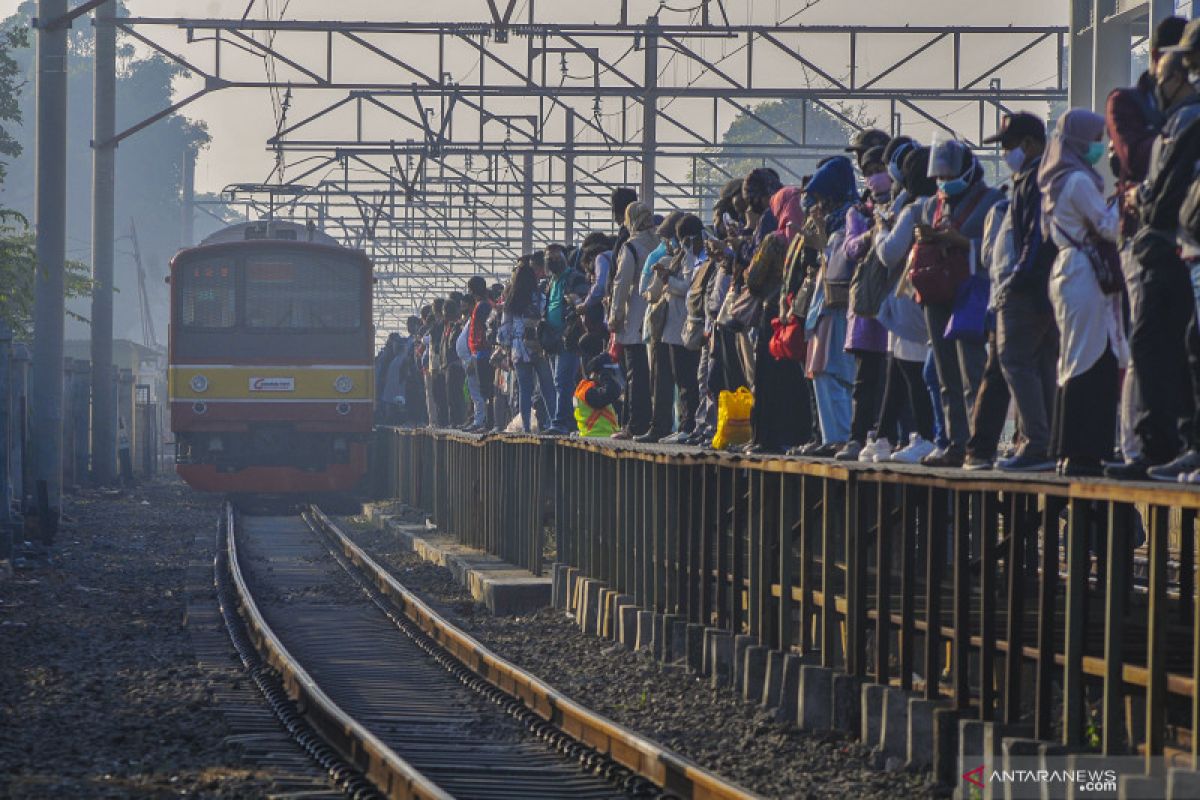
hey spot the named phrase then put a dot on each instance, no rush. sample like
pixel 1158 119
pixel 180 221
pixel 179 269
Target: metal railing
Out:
pixel 1067 609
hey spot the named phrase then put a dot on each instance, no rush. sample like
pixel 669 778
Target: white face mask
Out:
pixel 1015 159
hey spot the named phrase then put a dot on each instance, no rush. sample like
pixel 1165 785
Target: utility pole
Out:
pixel 527 210
pixel 187 228
pixel 104 196
pixel 650 112
pixel 50 219
pixel 569 181
pixel 6 404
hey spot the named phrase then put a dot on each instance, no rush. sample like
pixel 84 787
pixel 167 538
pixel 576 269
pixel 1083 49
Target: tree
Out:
pixel 776 122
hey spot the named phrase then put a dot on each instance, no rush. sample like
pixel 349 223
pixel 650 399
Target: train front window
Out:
pixel 302 293
pixel 208 294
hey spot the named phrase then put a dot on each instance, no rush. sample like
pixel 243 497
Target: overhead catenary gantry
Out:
pixel 420 139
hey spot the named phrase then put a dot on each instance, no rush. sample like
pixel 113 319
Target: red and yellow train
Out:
pixel 271 361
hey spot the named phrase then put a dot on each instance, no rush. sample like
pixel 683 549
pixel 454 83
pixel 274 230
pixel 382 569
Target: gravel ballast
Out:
pixel 101 694
pixel 714 727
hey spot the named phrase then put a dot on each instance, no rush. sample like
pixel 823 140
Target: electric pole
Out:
pixel 104 433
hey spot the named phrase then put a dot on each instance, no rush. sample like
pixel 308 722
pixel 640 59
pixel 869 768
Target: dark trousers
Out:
pixel 662 419
pixel 1157 341
pixel 437 414
pixel 1027 341
pixel 684 364
pixel 905 386
pixel 725 364
pixel 456 403
pixel 636 416
pixel 960 367
pixel 991 406
pixel 1085 412
pixel 487 384
pixel 867 393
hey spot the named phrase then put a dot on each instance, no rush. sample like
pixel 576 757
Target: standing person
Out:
pixel 1093 338
pixel 1165 306
pixel 1026 333
pixel 655 327
pixel 830 194
pixel 1134 118
pixel 435 382
pixel 953 220
pixel 684 362
pixel 567 287
pixel 904 319
pixel 523 309
pixel 456 377
pixel 627 309
pixel 416 413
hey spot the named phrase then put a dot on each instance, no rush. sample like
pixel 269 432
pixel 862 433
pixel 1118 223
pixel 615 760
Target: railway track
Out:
pixel 408 701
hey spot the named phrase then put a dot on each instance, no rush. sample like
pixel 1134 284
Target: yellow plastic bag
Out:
pixel 733 418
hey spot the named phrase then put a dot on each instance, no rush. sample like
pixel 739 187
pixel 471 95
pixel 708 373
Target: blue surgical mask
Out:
pixel 1095 152
pixel 1015 159
pixel 894 170
pixel 953 187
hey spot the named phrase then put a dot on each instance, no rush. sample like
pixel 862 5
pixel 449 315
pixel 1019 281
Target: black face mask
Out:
pixel 556 265
pixel 1164 99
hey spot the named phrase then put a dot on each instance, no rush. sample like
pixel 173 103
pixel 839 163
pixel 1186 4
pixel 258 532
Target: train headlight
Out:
pixel 199 383
pixel 344 384
pixel 199 408
pixel 343 408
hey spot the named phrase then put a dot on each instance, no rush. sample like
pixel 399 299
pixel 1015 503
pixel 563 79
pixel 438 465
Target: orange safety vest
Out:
pixel 592 421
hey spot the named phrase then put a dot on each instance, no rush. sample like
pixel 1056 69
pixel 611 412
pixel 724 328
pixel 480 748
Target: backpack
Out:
pixel 765 273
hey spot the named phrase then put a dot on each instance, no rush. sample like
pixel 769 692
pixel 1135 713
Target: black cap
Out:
pixel 873 155
pixel 1015 127
pixel 1167 32
pixel 866 139
pixel 666 229
pixel 688 225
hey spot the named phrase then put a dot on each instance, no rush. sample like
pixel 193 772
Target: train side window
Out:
pixel 300 293
pixel 207 294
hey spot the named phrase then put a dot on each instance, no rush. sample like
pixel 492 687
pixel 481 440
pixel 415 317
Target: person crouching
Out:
pixel 594 398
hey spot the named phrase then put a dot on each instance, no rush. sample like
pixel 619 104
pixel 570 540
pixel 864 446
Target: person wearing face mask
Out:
pixel 1134 118
pixel 954 219
pixel 567 287
pixel 1026 333
pixel 626 310
pixel 1088 316
pixel 661 262
pixel 1165 307
pixel 689 232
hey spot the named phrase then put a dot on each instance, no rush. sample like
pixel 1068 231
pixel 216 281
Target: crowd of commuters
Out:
pixel 892 306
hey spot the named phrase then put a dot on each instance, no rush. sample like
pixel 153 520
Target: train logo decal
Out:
pixel 272 384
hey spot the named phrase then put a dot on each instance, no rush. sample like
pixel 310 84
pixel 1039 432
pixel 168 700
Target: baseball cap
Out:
pixel 1015 127
pixel 1167 32
pixel 1189 42
pixel 866 139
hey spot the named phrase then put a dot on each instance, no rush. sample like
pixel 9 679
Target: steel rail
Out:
pixel 668 770
pixel 390 773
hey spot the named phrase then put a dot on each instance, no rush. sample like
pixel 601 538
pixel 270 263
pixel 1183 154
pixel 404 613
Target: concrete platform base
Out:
pixel 502 587
pixel 789 688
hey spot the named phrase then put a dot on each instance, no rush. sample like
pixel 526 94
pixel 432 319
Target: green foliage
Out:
pixel 18 258
pixel 11 39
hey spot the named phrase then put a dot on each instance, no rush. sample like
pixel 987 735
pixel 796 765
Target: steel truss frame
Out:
pixel 439 177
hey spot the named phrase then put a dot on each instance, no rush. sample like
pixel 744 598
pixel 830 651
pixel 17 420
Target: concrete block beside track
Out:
pixel 505 589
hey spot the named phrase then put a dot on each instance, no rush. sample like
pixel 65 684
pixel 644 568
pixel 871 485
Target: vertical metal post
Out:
pixel 569 182
pixel 104 433
pixel 51 221
pixel 1079 48
pixel 650 111
pixel 187 210
pixel 1112 38
pixel 527 210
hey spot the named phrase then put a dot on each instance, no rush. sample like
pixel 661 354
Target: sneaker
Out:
pixel 1128 471
pixel 950 457
pixel 1026 462
pixel 1188 461
pixel 649 437
pixel 916 449
pixel 622 434
pixel 974 463
pixel 878 449
pixel 1190 477
pixel 849 451
pixel 675 438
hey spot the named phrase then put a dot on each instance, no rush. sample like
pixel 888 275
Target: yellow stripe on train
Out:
pixel 227 382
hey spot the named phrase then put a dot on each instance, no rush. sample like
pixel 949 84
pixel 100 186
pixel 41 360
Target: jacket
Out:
pixel 628 307
pixel 569 281
pixel 1172 170
pixel 1034 253
pixel 477 338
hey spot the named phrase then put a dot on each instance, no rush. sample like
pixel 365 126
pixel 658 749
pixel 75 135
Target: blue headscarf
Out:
pixel 834 180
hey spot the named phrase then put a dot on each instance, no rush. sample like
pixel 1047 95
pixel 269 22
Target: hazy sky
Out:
pixel 241 121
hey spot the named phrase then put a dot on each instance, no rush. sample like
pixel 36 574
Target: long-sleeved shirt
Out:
pixel 1172 169
pixel 567 282
pixel 595 295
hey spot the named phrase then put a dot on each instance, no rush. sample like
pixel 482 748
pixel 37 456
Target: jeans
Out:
pixel 929 375
pixel 833 407
pixel 959 370
pixel 530 373
pixel 566 377
pixel 1027 340
pixel 477 401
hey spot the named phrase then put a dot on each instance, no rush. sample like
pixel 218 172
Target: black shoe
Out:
pixel 1082 468
pixel 1129 471
pixel 650 437
pixel 1188 461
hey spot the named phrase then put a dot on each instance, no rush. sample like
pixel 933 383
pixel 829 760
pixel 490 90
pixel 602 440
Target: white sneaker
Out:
pixel 916 450
pixel 878 449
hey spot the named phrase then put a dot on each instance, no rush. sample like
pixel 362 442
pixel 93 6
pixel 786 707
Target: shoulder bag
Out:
pixel 936 270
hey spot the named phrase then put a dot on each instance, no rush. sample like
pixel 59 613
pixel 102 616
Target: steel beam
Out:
pixel 104 433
